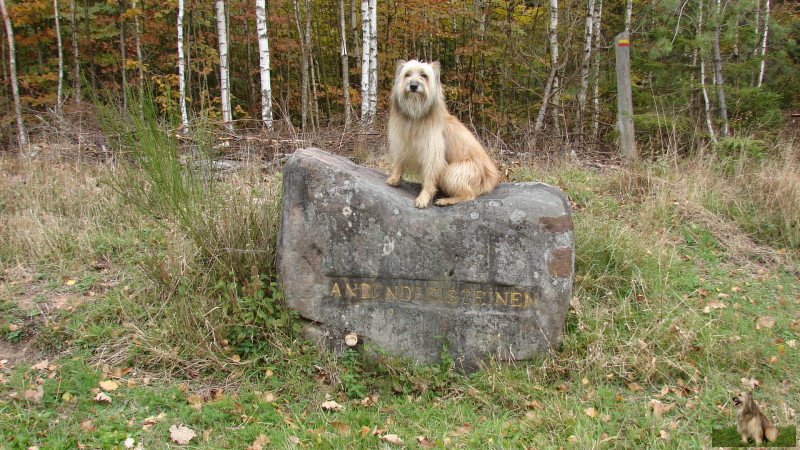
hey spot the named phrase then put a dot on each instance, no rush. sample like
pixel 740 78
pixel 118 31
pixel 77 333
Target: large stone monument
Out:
pixel 487 278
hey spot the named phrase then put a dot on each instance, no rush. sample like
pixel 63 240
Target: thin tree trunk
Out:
pixel 182 70
pixel 22 135
pixel 6 77
pixel 303 67
pixel 764 44
pixel 60 94
pixel 123 54
pixel 224 71
pixel 757 27
pixel 551 88
pixel 310 51
pixel 628 14
pixel 373 60
pixel 76 65
pixel 706 102
pixel 598 10
pixel 139 55
pixel 366 29
pixel 587 56
pixel 264 64
pixel 718 79
pixel 345 64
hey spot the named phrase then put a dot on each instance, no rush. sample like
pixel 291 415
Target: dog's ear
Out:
pixel 399 65
pixel 437 69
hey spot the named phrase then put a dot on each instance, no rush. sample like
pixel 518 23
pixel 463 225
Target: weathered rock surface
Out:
pixel 487 278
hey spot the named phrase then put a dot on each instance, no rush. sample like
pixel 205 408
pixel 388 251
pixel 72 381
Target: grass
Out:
pixel 684 291
pixel 728 437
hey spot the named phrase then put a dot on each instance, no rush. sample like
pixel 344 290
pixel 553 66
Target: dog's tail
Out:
pixel 490 177
pixel 771 433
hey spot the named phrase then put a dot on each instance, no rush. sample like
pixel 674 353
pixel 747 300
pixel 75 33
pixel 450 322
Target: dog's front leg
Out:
pixel 397 174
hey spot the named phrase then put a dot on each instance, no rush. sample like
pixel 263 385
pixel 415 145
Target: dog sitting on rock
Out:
pixel 425 138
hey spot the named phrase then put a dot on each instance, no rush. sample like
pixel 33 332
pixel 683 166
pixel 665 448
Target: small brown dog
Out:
pixel 426 139
pixel 751 422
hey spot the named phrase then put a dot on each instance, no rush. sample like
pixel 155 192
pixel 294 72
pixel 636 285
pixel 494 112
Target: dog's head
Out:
pixel 417 87
pixel 743 401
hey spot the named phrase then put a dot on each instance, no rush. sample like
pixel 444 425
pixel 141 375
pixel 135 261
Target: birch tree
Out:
pixel 598 11
pixel 224 72
pixel 587 55
pixel 764 44
pixel 60 94
pixel 22 135
pixel 551 87
pixel 366 30
pixel 718 79
pixel 628 14
pixel 345 64
pixel 706 102
pixel 263 63
pixel 373 60
pixel 182 70
pixel 76 65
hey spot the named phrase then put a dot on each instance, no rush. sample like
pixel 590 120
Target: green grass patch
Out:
pixel 729 437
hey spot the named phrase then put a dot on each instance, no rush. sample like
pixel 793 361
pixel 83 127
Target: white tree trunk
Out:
pixel 764 44
pixel 758 27
pixel 706 102
pixel 345 64
pixel 12 56
pixel 76 65
pixel 373 60
pixel 224 72
pixel 628 14
pixel 598 11
pixel 60 94
pixel 263 63
pixel 310 51
pixel 551 88
pixel 182 70
pixel 587 56
pixel 718 79
pixel 303 66
pixel 366 28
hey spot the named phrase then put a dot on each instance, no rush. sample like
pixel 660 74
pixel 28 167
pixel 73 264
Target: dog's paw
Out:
pixel 422 202
pixel 393 181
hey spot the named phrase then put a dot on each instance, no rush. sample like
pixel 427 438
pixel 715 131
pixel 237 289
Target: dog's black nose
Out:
pixel 413 86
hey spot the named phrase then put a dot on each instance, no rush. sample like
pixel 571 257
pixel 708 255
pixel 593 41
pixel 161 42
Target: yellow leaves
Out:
pixel 591 412
pixel 109 385
pixel 341 427
pixel 634 386
pixel 181 434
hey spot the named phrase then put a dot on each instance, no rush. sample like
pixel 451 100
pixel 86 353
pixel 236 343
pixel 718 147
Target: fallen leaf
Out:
pixel 792 343
pixel 341 427
pixel 716 304
pixel 180 434
pixel 424 442
pixel 41 365
pixel 391 439
pixel 70 282
pixel 261 442
pixel 750 383
pixel 195 401
pixel 102 397
pixel 268 397
pixel 67 397
pixel 109 385
pixel 129 443
pixel 660 408
pixel 463 429
pixel 736 289
pixel 606 418
pixel 294 440
pixel 585 381
pixel 765 322
pixel 331 405
pixel 634 386
pixel 34 395
pixel 664 435
pixel 369 400
pixel 572 439
pixel 591 412
pixel 88 426
pixel 13 327
pixel 723 295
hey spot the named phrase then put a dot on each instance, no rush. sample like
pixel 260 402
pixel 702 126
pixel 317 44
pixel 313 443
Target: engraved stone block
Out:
pixel 487 278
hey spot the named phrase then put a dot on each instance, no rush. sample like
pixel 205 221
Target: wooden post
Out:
pixel 627 142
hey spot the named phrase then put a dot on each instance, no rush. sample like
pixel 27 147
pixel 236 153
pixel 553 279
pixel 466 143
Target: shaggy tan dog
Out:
pixel 424 138
pixel 751 422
